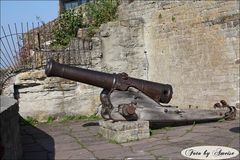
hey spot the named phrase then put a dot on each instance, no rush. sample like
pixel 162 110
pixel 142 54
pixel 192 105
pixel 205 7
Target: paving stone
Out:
pixel 201 139
pixel 185 144
pixel 177 132
pixel 160 136
pixel 167 150
pixel 67 146
pixel 88 140
pixel 61 129
pixel 115 153
pixel 157 147
pixel 167 145
pixel 93 142
pixel 62 155
pixel 94 132
pixel 78 129
pixel 187 136
pixel 221 133
pixel 82 134
pixel 142 142
pixel 172 156
pixel 88 137
pixel 86 155
pixel 218 141
pixel 223 125
pixel 203 129
pixel 75 123
pixel 104 147
pixel 150 146
pixel 137 155
pixel 236 158
pixel 140 157
pixel 235 143
pixel 56 133
pixel 74 154
pixel 63 139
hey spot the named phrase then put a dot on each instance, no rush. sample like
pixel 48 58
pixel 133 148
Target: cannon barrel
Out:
pixel 161 93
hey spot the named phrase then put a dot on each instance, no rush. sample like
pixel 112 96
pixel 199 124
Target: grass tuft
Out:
pixel 67 118
pixel 50 119
pixel 31 121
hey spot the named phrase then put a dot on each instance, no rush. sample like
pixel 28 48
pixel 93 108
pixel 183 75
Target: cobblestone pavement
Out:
pixel 80 140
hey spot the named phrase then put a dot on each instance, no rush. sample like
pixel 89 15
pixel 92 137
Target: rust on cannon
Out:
pixel 161 93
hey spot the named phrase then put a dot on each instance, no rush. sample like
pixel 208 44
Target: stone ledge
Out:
pixel 5 105
pixel 124 131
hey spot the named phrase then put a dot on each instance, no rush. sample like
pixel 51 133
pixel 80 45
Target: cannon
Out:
pixel 127 98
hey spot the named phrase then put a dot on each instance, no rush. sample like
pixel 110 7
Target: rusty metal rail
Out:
pixel 28 46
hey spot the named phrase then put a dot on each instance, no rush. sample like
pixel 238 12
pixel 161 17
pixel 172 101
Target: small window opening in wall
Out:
pixel 71 4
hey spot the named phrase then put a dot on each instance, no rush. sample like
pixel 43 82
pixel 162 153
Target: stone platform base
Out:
pixel 124 131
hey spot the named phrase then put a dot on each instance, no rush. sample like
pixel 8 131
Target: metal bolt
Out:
pixel 165 110
pixel 128 109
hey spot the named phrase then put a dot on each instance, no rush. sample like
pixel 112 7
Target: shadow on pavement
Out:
pixel 235 129
pixel 36 144
pixel 171 123
pixel 90 124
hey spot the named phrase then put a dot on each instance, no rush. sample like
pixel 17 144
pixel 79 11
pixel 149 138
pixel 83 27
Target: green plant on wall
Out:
pixel 68 23
pixel 100 12
pixel 66 27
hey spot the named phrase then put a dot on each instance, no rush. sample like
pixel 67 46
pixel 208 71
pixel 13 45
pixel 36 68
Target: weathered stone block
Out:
pixel 124 131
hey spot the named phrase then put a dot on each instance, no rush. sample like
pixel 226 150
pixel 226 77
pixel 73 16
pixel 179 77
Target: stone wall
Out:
pixel 193 45
pixel 117 48
pixel 41 96
pixel 123 47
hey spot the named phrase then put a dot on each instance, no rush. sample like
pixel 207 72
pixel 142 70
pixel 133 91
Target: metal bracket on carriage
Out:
pixel 231 114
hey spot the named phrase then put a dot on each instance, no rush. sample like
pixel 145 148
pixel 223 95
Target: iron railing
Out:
pixel 28 46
